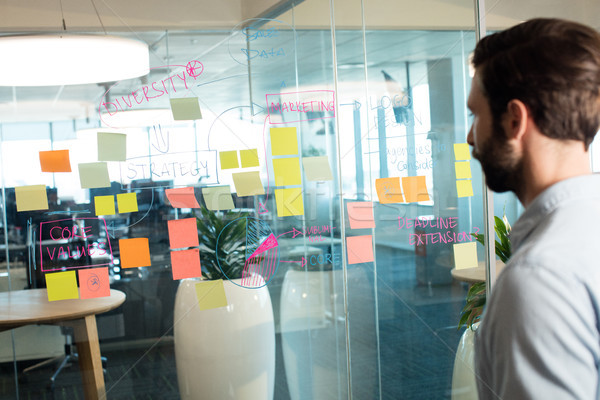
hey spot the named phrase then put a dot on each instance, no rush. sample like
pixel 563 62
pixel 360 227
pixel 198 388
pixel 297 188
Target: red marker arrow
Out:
pixel 303 263
pixel 296 232
pixel 262 209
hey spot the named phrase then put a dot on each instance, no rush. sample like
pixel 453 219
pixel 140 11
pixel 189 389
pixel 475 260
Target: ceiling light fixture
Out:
pixel 65 59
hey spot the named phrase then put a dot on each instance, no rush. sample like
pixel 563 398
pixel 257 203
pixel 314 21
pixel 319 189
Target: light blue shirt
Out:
pixel 540 336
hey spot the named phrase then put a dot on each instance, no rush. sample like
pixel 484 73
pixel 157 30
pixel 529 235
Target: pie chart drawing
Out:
pixel 261 253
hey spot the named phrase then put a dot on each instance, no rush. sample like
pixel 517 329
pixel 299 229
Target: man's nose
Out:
pixel 470 137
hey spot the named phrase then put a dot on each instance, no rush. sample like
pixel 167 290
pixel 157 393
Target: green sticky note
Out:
pixel 94 175
pixel 127 202
pixel 249 158
pixel 228 159
pixel 62 286
pixel 461 151
pixel 105 205
pixel 30 198
pixel 464 188
pixel 465 255
pixel 186 109
pixel 289 202
pixel 112 146
pixel 287 171
pixel 317 168
pixel 462 169
pixel 248 183
pixel 218 198
pixel 211 294
pixel 284 141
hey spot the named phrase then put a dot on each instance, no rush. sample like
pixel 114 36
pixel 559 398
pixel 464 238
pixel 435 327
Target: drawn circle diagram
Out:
pixel 93 282
pixel 261 253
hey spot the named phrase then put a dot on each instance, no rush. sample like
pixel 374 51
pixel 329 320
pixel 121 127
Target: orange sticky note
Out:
pixel 55 161
pixel 62 286
pixel 183 233
pixel 415 189
pixel 134 252
pixel 182 198
pixel 360 214
pixel 388 190
pixel 359 249
pixel 93 283
pixel 186 264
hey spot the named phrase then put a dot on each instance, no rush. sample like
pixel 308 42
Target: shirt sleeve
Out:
pixel 538 338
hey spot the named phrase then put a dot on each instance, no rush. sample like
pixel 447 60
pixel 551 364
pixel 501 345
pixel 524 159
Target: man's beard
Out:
pixel 502 168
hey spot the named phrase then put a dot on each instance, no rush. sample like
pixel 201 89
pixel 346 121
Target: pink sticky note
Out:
pixel 93 283
pixel 360 214
pixel 186 264
pixel 360 249
pixel 183 233
pixel 182 198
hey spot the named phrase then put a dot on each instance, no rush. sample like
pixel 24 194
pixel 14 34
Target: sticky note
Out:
pixel 415 189
pixel 462 169
pixel 228 159
pixel 248 183
pixel 185 109
pixel 284 141
pixel 62 286
pixel 360 214
pixel 289 202
pixel 112 146
pixel 93 283
pixel 465 255
pixel 134 252
pixel 55 161
pixel 94 175
pixel 104 205
pixel 218 198
pixel 182 197
pixel 461 151
pixel 464 188
pixel 249 158
pixel 211 294
pixel 183 233
pixel 359 249
pixel 186 264
pixel 30 198
pixel 388 190
pixel 127 202
pixel 287 171
pixel 317 168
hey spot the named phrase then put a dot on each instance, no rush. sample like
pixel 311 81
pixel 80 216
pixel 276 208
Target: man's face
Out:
pixel 501 166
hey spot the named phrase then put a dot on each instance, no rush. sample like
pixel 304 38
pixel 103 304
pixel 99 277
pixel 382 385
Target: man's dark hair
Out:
pixel 553 67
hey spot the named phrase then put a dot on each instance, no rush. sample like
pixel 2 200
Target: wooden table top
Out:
pixel 474 275
pixel 24 307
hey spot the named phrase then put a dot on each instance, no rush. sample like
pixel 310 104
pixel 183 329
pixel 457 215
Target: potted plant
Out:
pixel 226 352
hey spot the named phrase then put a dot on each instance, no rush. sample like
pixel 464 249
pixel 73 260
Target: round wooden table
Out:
pixel 474 275
pixel 25 307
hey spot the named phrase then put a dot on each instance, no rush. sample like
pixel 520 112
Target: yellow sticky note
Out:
pixel 186 109
pixel 465 255
pixel 211 294
pixel 112 146
pixel 228 159
pixel 317 168
pixel 93 175
pixel 462 169
pixel 415 189
pixel 249 158
pixel 218 198
pixel 287 171
pixel 461 151
pixel 105 205
pixel 248 183
pixel 33 197
pixel 127 202
pixel 62 286
pixel 464 188
pixel 284 141
pixel 289 202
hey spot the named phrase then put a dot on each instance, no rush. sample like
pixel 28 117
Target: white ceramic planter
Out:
pixel 464 386
pixel 228 352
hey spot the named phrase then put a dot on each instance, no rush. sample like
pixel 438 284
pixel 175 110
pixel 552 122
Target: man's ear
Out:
pixel 516 119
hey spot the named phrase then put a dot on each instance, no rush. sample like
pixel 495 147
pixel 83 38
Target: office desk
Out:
pixel 25 307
